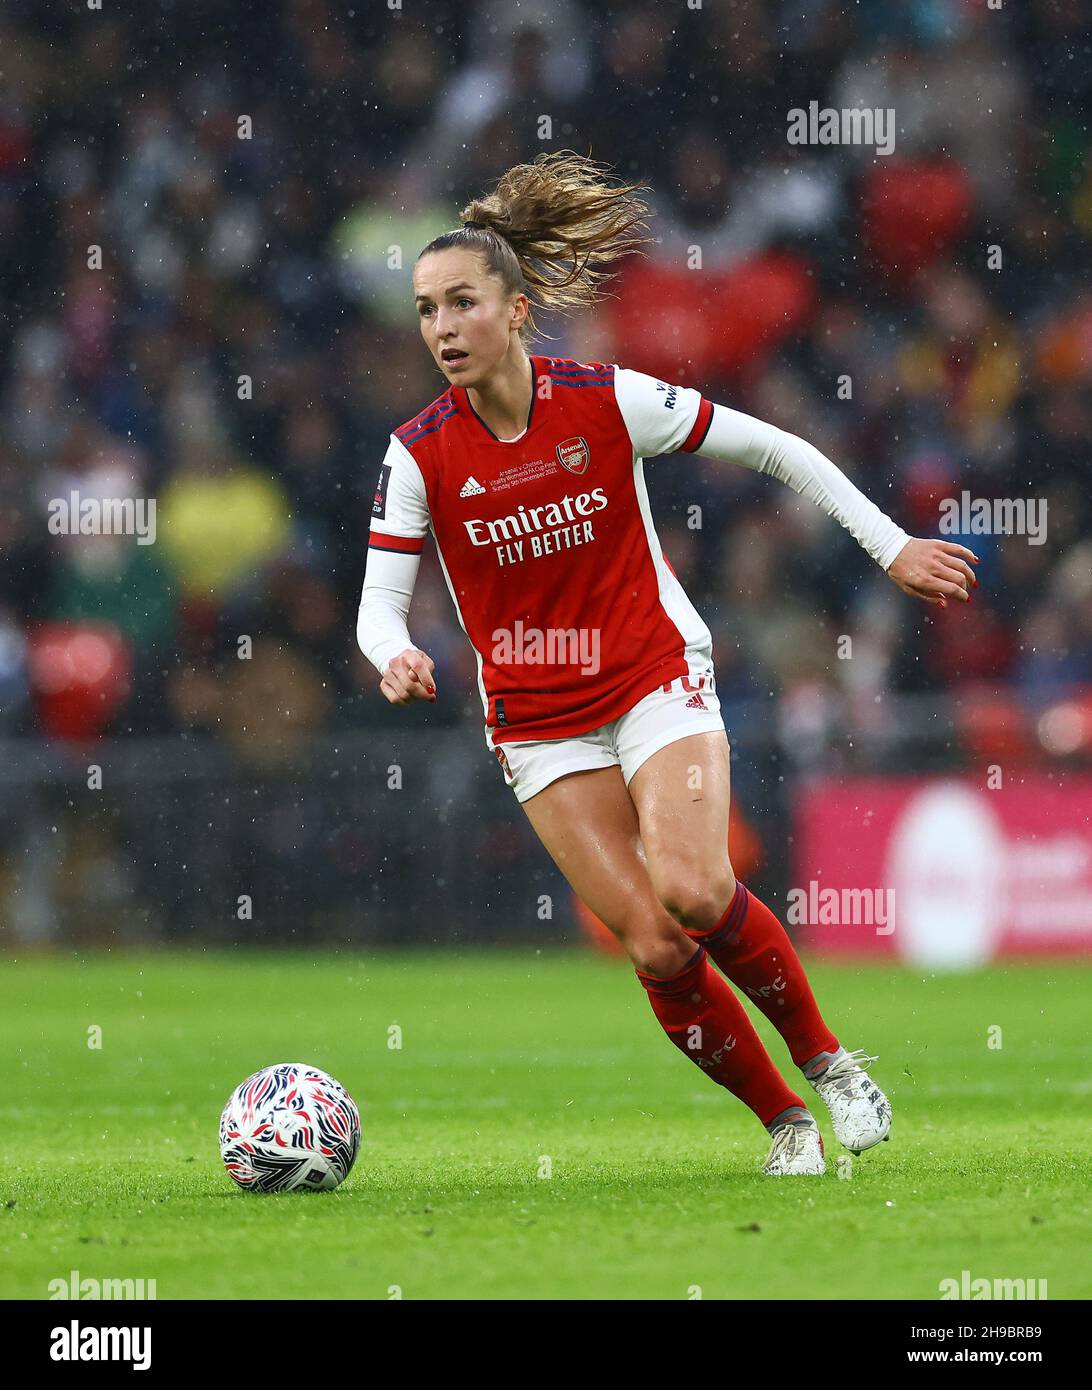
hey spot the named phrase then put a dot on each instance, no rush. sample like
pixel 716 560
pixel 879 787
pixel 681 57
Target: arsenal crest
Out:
pixel 503 760
pixel 573 454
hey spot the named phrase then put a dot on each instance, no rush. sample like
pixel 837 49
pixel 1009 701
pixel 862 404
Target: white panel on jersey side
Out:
pixel 672 594
pixel 459 615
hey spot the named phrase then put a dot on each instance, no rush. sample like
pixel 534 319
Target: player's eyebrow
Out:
pixel 451 290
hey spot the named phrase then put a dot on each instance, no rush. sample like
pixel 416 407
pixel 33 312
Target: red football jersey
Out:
pixel 547 543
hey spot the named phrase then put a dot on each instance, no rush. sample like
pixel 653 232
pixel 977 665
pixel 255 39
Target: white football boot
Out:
pixel 797 1150
pixel 859 1110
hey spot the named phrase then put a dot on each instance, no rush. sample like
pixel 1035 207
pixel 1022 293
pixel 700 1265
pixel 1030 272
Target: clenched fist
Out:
pixel 409 677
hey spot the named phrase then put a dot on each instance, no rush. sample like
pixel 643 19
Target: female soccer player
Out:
pixel 595 672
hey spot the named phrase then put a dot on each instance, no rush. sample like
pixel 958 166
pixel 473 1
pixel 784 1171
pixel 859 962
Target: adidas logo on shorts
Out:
pixel 696 702
pixel 471 487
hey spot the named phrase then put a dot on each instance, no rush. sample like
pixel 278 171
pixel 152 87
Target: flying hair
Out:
pixel 550 229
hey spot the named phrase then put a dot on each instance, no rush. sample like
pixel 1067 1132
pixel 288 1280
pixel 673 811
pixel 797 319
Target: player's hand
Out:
pixel 408 677
pixel 935 571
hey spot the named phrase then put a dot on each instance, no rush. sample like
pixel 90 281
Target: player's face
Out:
pixel 465 319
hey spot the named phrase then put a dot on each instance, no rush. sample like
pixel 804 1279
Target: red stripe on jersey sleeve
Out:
pixel 701 427
pixel 404 545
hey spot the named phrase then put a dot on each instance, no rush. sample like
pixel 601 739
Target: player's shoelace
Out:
pixel 787 1141
pixel 846 1069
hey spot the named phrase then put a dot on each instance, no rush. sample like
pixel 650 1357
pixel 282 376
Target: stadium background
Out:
pixel 269 259
pixel 532 1135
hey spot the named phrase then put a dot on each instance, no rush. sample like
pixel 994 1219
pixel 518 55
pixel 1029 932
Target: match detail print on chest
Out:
pixel 522 507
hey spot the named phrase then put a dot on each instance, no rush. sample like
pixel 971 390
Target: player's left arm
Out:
pixel 663 419
pixel 932 570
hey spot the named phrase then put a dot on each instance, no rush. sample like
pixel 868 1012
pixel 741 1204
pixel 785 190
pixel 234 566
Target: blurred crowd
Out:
pixel 210 220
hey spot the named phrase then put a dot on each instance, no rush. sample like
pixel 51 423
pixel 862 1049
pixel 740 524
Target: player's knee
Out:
pixel 661 950
pixel 697 904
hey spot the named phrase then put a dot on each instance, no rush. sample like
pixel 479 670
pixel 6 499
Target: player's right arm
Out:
pixel 399 522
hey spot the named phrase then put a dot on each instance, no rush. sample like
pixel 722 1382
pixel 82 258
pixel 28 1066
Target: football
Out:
pixel 289 1127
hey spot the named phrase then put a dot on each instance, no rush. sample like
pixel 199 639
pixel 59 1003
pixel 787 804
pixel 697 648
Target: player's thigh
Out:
pixel 682 795
pixel 588 823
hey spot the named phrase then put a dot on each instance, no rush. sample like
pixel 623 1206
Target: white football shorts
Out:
pixel 689 706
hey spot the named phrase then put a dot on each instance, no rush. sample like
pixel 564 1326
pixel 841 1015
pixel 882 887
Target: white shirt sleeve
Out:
pixel 660 418
pixel 738 438
pixel 400 521
pixel 664 419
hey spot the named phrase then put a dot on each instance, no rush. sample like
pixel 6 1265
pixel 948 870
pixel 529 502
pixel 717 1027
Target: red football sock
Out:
pixel 704 1019
pixel 752 948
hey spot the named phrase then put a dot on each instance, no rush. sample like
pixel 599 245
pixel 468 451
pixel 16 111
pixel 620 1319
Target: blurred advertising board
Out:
pixel 943 871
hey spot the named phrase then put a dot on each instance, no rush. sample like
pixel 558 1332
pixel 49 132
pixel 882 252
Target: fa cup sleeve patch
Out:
pixel 379 501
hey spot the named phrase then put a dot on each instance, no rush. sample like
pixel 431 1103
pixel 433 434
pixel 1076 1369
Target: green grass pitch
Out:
pixel 514 1064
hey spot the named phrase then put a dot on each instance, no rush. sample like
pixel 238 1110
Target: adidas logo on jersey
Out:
pixel 696 702
pixel 471 487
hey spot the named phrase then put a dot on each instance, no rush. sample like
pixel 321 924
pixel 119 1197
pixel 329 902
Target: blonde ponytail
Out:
pixel 550 228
